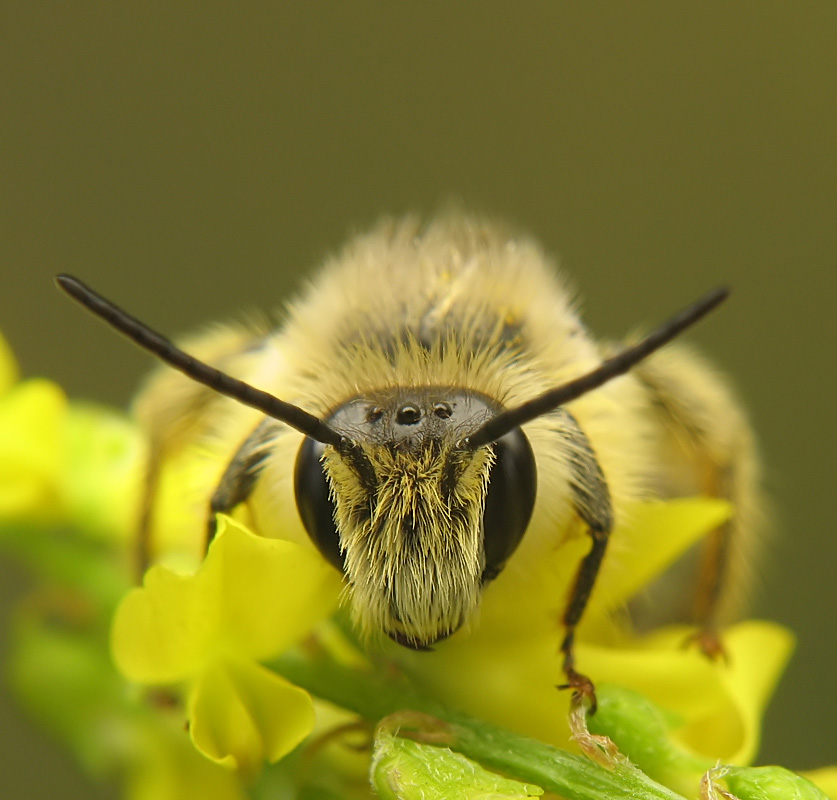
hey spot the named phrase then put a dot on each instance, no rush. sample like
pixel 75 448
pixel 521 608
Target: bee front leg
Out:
pixel 591 500
pixel 585 578
pixel 241 474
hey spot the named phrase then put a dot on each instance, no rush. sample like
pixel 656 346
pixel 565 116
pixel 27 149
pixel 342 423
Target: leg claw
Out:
pixel 584 692
pixel 708 641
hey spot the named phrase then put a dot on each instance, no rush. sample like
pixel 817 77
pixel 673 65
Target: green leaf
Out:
pixel 403 769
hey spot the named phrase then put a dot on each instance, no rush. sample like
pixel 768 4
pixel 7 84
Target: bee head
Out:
pixel 417 520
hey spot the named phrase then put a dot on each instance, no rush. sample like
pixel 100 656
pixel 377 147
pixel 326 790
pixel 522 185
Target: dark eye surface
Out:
pixel 314 503
pixel 512 487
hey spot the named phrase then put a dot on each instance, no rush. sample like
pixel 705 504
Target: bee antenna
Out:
pixel 507 421
pixel 157 344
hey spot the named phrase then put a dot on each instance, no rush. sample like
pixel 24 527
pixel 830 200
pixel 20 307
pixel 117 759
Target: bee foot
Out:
pixel 708 641
pixel 584 692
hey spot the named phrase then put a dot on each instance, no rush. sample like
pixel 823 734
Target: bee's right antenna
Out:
pixel 616 365
pixel 157 344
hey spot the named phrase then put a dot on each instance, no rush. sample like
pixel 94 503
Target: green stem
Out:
pixel 572 776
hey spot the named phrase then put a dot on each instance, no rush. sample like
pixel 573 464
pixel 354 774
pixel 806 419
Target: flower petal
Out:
pixel 251 598
pixel 102 472
pixel 274 591
pixel 723 702
pixel 241 714
pixel 825 778
pixel 163 632
pixel 654 536
pixel 31 415
pixel 528 598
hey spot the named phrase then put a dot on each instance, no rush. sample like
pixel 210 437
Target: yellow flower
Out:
pixel 62 461
pixel 70 483
pixel 66 680
pixel 505 671
pixel 251 599
pixel 32 414
pixel 103 455
pixel 825 778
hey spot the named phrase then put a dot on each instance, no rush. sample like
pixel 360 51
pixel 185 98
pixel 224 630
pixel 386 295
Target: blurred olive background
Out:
pixel 194 160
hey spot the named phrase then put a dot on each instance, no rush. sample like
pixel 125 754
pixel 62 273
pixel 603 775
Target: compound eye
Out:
pixel 512 486
pixel 314 503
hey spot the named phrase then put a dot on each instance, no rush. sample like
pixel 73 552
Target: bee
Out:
pixel 444 412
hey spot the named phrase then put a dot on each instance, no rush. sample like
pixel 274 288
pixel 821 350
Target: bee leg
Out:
pixel 713 575
pixel 708 442
pixel 585 578
pixel 241 474
pixel 591 500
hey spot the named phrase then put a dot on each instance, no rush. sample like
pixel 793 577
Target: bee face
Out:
pixel 417 520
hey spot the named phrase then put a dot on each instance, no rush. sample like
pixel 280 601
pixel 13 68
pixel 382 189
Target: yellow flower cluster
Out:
pixel 126 671
pixel 718 704
pixel 251 599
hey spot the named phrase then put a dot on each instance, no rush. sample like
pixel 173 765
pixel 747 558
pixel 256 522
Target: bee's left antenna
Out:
pixel 157 344
pixel 612 367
